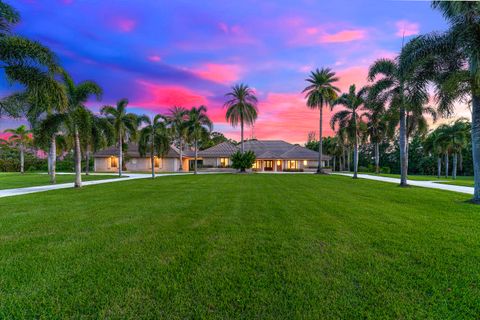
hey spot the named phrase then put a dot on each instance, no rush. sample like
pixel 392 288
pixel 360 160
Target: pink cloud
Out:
pixel 354 75
pixel 155 58
pixel 344 36
pixel 407 28
pixel 221 73
pixel 124 24
pixel 163 96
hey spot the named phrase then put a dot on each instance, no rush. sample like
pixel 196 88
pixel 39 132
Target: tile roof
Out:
pixel 132 151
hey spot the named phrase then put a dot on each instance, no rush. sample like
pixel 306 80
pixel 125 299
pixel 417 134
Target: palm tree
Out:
pixel 453 139
pixel 154 139
pixel 101 135
pixel 320 92
pixel 350 119
pixel 199 126
pixel 377 124
pixel 432 147
pixel 21 137
pixel 76 116
pixel 177 121
pixel 406 91
pixel 125 125
pixel 241 108
pixel 456 51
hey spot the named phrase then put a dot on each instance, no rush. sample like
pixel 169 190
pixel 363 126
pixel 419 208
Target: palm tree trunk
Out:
pixel 460 162
pixel 355 158
pixel 196 153
pixel 87 160
pixel 152 160
pixel 181 155
pixel 333 167
pixel 120 155
pixel 403 148
pixel 22 159
pixel 78 160
pixel 320 140
pixel 439 167
pixel 476 146
pixel 446 164
pixel 454 166
pixel 241 135
pixel 53 159
pixel 348 159
pixel 377 158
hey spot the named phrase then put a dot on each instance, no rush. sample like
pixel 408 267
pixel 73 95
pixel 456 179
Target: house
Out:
pixel 106 160
pixel 272 155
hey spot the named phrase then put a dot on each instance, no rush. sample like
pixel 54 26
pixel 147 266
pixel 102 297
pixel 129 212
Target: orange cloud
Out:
pixel 344 36
pixel 221 73
pixel 407 28
pixel 161 96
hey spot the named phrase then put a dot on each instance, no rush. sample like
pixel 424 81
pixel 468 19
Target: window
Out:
pixel 156 162
pixel 305 163
pixel 113 162
pixel 224 162
pixel 257 165
pixel 292 164
pixel 268 165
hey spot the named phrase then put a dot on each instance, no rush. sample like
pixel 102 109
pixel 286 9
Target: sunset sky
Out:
pixel 164 53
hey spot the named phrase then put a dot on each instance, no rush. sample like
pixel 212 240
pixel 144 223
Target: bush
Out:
pixel 243 161
pixel 293 170
pixel 385 170
pixel 362 169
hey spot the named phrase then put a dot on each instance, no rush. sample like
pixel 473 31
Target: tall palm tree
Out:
pixel 154 139
pixel 125 125
pixel 199 126
pixel 320 93
pixel 453 138
pixel 241 108
pixel 349 118
pixel 405 91
pixel 76 116
pixel 177 121
pixel 21 137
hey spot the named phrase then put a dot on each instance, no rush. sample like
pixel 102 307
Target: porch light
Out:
pixel 304 162
pixel 279 162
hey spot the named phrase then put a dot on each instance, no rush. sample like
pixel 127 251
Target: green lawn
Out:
pixel 466 181
pixel 10 180
pixel 252 246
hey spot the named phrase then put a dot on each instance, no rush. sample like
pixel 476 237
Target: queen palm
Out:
pixel 20 137
pixel 154 138
pixel 454 139
pixel 199 126
pixel 177 121
pixel 320 92
pixel 241 108
pixel 432 147
pixel 349 118
pixel 125 125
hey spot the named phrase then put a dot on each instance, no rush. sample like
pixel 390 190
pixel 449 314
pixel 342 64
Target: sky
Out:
pixel 166 53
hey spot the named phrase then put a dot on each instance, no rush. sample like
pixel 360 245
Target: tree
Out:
pixel 242 161
pixel 101 135
pixel 125 125
pixel 431 146
pixel 154 139
pixel 21 137
pixel 405 91
pixel 349 118
pixel 320 92
pixel 177 121
pixel 76 116
pixel 457 52
pixel 241 108
pixel 199 126
pixel 453 139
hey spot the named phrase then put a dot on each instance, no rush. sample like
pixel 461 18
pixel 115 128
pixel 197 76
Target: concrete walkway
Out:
pixel 416 183
pixel 128 176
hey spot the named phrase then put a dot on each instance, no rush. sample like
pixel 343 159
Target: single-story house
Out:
pixel 272 155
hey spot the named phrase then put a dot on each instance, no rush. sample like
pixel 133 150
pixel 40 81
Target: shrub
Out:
pixel 293 170
pixel 243 161
pixel 385 170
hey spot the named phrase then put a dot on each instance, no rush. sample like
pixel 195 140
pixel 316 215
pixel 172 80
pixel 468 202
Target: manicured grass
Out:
pixel 240 246
pixel 10 180
pixel 466 181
